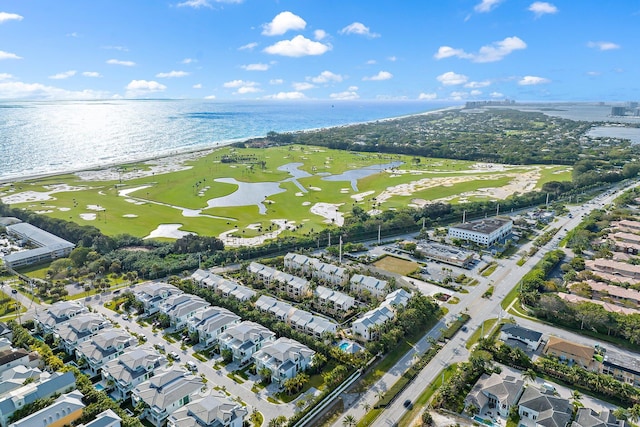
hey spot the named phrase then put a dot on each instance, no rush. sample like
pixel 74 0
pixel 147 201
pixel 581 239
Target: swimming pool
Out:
pixel 99 387
pixel 344 346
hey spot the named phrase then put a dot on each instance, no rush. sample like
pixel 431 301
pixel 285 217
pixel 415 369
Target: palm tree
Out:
pixel 349 421
pixel 530 375
pixel 634 413
pixel 366 406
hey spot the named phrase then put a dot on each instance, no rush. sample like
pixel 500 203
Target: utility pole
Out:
pixel 380 226
pixel 340 251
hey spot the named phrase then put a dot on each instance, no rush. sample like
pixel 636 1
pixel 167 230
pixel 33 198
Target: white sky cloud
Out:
pixel 210 97
pixel 496 95
pixel 63 75
pixel 39 91
pixel 197 86
pixel 188 60
pixel 286 95
pixel 247 89
pixel 371 62
pixel 428 96
pixel 603 45
pixel 475 92
pixel 172 74
pixel 346 95
pixel 392 58
pixel 123 63
pixel 300 86
pixel 360 29
pixel 5 17
pixel 451 79
pixel 196 4
pixel 248 46
pixel 540 8
pixel 142 87
pixel 239 83
pixel 319 34
pixel 276 81
pixel 8 55
pixel 297 47
pixel 458 95
pixel 255 67
pixel 382 75
pixel 475 85
pixel 283 22
pixel 486 6
pixel 489 53
pixel 533 80
pixel 593 73
pixel 5 76
pixel 352 88
pixel 119 48
pixel 326 77
pixel 91 74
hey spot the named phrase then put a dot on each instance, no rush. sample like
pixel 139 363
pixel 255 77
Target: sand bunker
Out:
pixel 299 194
pixel 88 216
pixel 330 212
pixel 95 208
pixel 134 201
pixel 127 191
pixel 64 209
pixel 39 196
pixel 315 188
pixel 306 203
pixel 360 196
pixel 130 216
pixel 170 231
pixel 232 241
pixel 44 212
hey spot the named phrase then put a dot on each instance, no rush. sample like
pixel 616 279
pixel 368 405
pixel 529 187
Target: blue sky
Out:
pixel 452 50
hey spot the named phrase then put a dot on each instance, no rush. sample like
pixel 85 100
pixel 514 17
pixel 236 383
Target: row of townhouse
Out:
pixel 313 267
pixel 295 287
pixel 296 318
pixel 621 270
pixel 225 287
pixel 334 275
pixel 618 294
pixel 367 326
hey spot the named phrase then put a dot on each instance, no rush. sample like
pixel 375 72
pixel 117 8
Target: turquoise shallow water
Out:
pixel 51 137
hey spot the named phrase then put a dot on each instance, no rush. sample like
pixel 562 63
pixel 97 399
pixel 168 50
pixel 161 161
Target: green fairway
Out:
pixel 136 199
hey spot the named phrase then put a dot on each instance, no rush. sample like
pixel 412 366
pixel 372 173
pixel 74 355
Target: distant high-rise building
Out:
pixel 618 111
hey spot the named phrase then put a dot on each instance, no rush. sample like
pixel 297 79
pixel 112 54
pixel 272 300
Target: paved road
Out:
pixel 214 377
pixel 505 278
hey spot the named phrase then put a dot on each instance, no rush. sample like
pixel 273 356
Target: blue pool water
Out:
pixel 344 346
pixel 99 387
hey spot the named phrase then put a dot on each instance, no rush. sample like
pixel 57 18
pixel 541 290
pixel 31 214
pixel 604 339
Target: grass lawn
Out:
pixel 488 324
pixel 396 265
pixel 165 195
pixel 489 269
pixel 8 305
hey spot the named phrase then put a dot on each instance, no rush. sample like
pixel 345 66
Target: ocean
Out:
pixel 52 137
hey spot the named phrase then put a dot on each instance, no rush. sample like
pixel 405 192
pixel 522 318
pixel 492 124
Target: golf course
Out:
pixel 246 195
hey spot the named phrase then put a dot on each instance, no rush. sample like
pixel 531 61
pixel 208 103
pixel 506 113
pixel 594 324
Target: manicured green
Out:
pixel 161 198
pixel 488 325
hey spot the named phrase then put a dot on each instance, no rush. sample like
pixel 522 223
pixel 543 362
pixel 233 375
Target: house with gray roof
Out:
pixel 5 331
pixel 299 263
pixel 66 409
pixel 244 339
pixel 285 358
pixel 106 418
pixel 543 409
pixel 56 383
pixel 165 392
pixel 130 369
pixel 295 287
pixel 105 345
pixel 229 288
pixel 152 294
pixel 332 302
pixel 210 322
pixel 495 392
pixel 531 339
pixel 15 377
pixel 397 298
pixel 376 287
pixel 210 411
pixel 12 358
pixel 366 327
pixel 181 307
pixel 587 417
pixel 57 314
pixel 79 329
pixel 280 309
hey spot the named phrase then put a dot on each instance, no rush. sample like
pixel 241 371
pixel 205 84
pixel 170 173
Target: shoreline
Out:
pixel 203 150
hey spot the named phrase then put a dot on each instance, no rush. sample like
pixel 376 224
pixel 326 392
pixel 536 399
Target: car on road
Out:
pixel 125 317
pixel 192 366
pixel 464 329
pixel 174 355
pixel 14 291
pixel 407 404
